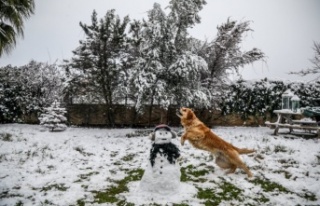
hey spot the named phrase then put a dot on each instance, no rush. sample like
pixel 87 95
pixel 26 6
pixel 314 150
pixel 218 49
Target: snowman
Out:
pixel 162 174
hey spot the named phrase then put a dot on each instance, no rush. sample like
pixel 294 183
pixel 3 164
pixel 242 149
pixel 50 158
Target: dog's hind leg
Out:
pixel 235 159
pixel 222 161
pixel 232 169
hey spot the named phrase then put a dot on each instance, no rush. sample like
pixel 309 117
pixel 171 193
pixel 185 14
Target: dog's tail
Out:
pixel 245 150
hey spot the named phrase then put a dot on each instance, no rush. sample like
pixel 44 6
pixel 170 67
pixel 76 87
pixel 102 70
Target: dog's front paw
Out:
pixel 196 138
pixel 182 140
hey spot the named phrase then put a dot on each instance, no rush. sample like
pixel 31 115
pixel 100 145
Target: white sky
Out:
pixel 284 29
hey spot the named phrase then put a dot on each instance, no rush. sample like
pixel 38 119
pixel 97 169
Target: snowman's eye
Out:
pixel 166 132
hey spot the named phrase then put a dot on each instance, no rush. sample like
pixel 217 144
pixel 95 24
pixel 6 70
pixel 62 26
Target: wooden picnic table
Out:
pixel 285 120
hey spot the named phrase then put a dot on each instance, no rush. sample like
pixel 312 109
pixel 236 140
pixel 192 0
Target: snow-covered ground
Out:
pixel 85 166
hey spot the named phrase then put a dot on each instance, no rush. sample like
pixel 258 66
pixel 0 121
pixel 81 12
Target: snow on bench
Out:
pixel 302 125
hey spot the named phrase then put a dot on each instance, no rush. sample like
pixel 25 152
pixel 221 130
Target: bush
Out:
pixel 260 98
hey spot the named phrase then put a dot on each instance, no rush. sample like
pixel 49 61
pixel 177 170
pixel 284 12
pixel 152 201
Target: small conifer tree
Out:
pixel 54 117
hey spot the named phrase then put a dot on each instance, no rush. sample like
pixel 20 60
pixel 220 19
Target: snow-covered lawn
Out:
pixel 85 166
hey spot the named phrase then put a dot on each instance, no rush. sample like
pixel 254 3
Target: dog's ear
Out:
pixel 174 135
pixel 190 114
pixel 152 136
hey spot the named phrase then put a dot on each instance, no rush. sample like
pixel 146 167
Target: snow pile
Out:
pixel 185 193
pixel 95 166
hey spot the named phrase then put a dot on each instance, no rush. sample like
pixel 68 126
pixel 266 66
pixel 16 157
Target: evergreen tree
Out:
pixel 97 68
pixel 189 89
pixel 162 50
pixel 11 94
pixel 185 70
pixel 153 49
pixel 41 82
pixel 54 117
pixel 224 53
pixel 183 15
pixel 27 89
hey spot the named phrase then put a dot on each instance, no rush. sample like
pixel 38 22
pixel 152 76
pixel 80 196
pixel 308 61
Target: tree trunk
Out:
pixel 110 115
pixel 150 111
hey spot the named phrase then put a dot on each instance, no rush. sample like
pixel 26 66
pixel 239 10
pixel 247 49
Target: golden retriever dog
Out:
pixel 201 137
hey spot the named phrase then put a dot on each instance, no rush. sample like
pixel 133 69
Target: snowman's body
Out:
pixel 162 174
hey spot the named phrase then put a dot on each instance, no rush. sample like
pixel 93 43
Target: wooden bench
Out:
pixel 311 125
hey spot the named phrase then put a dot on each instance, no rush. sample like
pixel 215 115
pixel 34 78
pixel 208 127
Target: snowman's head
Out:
pixel 162 134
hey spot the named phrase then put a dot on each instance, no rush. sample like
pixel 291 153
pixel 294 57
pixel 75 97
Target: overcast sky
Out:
pixel 284 29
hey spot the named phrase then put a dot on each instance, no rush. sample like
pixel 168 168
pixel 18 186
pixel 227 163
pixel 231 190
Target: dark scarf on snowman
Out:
pixel 169 150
